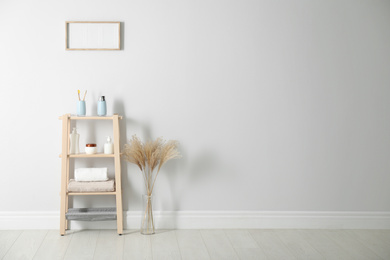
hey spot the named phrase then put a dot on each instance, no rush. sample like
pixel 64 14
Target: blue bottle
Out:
pixel 101 107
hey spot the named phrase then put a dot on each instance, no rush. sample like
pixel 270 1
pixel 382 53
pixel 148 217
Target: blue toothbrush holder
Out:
pixel 81 108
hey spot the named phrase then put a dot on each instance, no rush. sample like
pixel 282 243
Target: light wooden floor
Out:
pixel 197 244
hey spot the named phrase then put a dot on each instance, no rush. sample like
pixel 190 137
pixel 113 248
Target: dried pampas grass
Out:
pixel 149 156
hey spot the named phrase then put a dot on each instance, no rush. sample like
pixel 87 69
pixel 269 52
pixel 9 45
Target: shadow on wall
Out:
pixel 127 191
pixel 198 170
pixel 130 194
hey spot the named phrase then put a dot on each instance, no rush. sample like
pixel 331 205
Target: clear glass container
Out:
pixel 147 221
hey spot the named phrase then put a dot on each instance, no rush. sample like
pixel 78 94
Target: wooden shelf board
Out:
pixel 92 193
pixel 92 117
pixel 84 155
pixel 92 155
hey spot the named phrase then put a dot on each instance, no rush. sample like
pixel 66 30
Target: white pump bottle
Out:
pixel 108 146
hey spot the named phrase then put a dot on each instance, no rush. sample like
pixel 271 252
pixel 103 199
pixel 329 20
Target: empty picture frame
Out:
pixel 92 36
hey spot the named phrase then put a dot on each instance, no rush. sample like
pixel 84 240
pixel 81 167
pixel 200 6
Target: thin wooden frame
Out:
pixel 67 36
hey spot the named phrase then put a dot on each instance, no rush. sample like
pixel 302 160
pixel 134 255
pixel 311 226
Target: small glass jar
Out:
pixel 90 149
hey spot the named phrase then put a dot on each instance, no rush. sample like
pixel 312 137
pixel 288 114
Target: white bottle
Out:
pixel 109 146
pixel 74 142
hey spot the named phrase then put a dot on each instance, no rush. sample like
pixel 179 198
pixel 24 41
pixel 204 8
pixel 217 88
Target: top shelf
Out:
pixel 91 117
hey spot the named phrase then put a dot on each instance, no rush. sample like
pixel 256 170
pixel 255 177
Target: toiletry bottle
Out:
pixel 108 146
pixel 74 142
pixel 101 107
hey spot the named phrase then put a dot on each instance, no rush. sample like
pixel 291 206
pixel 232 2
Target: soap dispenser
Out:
pixel 101 106
pixel 108 146
pixel 74 142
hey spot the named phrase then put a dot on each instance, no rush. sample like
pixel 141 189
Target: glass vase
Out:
pixel 147 222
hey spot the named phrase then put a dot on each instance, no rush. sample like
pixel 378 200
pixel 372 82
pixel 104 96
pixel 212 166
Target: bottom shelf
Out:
pixel 91 214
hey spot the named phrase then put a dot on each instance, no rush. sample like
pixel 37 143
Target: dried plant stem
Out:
pixel 146 186
pixel 154 180
pixel 146 212
pixel 151 214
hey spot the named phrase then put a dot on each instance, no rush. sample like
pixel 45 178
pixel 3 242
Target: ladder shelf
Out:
pixel 67 213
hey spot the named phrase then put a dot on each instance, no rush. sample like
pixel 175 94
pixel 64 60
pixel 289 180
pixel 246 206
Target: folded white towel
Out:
pixel 90 174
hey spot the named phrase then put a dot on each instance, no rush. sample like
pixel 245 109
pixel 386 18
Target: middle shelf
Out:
pixel 84 155
pixel 70 193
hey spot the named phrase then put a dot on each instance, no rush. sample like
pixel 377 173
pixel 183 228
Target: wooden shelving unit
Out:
pixel 65 158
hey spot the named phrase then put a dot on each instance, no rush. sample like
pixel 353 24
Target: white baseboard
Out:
pixel 211 220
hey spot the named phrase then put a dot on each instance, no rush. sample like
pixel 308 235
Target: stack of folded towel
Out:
pixel 91 180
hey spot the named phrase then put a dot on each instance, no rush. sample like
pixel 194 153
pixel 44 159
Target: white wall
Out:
pixel 278 105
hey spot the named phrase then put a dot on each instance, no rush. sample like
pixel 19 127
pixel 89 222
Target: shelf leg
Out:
pixel 67 177
pixel 118 181
pixel 66 210
pixel 64 171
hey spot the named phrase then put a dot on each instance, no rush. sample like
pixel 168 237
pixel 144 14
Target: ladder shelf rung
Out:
pixel 70 193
